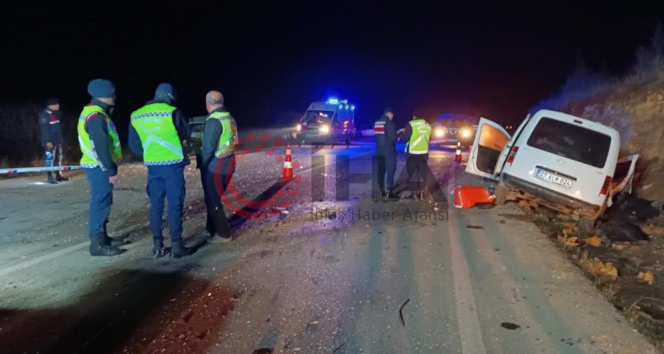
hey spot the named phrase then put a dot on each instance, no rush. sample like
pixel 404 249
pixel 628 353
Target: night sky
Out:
pixel 270 59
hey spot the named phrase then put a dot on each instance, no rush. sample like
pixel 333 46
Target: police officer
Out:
pixel 418 134
pixel 100 146
pixel 51 138
pixel 156 133
pixel 217 163
pixel 386 153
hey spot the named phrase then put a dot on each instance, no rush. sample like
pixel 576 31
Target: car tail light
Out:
pixel 605 186
pixel 510 157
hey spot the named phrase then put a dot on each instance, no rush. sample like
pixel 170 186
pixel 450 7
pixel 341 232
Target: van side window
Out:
pixel 571 141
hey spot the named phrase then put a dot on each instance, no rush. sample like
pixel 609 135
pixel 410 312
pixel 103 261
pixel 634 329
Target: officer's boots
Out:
pixel 159 250
pixel 392 196
pixel 50 179
pixel 379 197
pixel 99 247
pixel 178 250
pixel 60 178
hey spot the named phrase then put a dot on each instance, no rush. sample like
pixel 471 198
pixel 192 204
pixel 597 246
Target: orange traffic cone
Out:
pixel 287 171
pixel 457 157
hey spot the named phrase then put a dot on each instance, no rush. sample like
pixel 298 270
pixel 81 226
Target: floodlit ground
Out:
pixel 329 276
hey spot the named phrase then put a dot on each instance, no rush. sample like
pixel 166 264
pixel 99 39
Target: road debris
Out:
pixel 602 270
pixel 263 351
pixel 401 312
pixel 527 204
pixel 474 227
pixel 622 231
pixel 646 277
pixel 652 309
pixel 594 241
pixel 571 242
pixel 630 208
pixel 653 230
pixel 339 347
pixel 510 326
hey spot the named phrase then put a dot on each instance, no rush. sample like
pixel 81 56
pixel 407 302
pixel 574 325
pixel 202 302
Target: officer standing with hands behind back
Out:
pixel 217 163
pixel 418 134
pixel 386 153
pixel 100 146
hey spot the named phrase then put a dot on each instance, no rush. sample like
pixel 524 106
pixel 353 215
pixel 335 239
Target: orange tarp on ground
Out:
pixel 467 196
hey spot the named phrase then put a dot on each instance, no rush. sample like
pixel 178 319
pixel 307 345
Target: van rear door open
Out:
pixel 624 175
pixel 490 141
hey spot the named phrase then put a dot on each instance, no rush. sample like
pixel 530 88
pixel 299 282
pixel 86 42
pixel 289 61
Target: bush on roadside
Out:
pixel 650 60
pixel 20 142
pixel 584 83
pixel 19 136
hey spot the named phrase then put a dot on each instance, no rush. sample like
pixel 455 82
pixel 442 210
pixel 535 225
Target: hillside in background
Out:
pixel 633 105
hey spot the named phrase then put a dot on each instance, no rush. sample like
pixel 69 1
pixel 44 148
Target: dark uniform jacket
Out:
pixel 386 136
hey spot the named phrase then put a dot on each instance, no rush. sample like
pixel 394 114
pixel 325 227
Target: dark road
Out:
pixel 330 276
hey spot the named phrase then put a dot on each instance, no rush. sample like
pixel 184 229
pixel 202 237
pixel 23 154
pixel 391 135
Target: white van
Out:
pixel 557 160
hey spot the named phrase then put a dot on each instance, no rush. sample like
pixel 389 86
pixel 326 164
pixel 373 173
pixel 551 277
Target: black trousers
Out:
pixel 386 166
pixel 418 163
pixel 53 158
pixel 214 186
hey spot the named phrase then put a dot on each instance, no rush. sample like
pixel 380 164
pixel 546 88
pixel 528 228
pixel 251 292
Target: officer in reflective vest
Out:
pixel 217 163
pixel 386 153
pixel 100 147
pixel 418 135
pixel 156 133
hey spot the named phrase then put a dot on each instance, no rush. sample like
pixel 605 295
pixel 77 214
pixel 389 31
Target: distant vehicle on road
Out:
pixel 557 160
pixel 454 128
pixel 364 130
pixel 193 145
pixel 327 122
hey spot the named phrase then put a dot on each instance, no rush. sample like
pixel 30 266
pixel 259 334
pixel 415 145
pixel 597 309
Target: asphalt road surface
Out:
pixel 330 275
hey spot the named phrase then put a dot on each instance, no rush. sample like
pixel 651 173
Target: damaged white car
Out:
pixel 557 160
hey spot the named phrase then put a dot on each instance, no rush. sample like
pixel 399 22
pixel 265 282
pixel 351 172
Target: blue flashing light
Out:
pixel 352 108
pixel 341 106
pixel 332 100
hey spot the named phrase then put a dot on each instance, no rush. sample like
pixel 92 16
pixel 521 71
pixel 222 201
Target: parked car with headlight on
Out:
pixel 454 128
pixel 193 144
pixel 364 130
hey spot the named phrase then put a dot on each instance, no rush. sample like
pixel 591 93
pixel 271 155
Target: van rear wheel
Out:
pixel 500 193
pixel 586 225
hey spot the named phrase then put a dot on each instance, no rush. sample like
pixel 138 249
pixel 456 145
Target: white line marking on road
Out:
pixel 469 324
pixel 62 252
pixel 44 258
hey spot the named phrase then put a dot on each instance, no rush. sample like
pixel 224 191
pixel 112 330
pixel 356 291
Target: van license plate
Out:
pixel 552 178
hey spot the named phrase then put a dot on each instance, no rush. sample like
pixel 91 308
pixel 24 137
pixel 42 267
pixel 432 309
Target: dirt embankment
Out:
pixel 636 110
pixel 630 274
